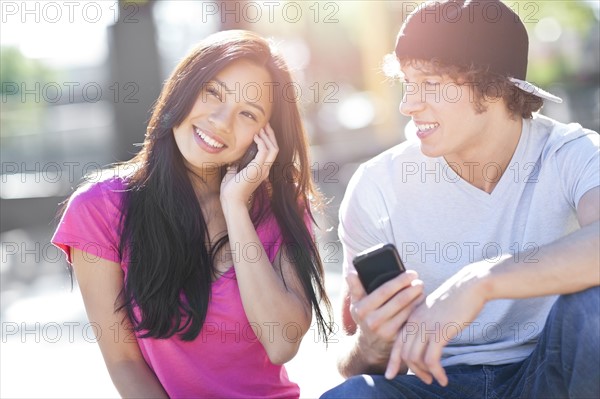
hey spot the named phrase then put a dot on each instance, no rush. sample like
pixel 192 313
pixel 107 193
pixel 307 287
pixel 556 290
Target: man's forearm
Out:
pixel 358 361
pixel 570 264
pixel 355 362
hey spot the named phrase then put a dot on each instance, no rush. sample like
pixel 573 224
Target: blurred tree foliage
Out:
pixel 573 57
pixel 572 14
pixel 18 69
pixel 21 114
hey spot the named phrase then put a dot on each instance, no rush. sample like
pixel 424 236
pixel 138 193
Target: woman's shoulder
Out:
pixel 106 182
pixel 105 191
pixel 92 217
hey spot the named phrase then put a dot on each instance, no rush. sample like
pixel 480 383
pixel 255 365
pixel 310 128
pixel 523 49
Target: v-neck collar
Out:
pixel 508 176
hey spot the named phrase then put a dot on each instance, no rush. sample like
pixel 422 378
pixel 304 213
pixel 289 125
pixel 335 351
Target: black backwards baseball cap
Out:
pixel 483 33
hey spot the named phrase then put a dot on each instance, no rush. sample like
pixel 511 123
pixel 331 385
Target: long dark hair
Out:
pixel 163 231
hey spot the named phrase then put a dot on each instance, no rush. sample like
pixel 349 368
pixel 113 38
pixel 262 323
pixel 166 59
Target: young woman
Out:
pixel 201 274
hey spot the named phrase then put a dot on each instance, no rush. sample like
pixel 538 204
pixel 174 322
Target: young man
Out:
pixel 495 212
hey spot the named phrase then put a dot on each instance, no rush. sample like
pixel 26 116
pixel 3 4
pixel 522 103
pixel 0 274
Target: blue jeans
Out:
pixel 564 364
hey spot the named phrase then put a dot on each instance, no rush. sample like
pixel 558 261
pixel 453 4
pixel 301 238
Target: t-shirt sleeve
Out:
pixel 578 164
pixel 362 218
pixel 90 223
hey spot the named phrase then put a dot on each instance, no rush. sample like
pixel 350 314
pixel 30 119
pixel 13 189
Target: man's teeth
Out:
pixel 427 126
pixel 208 140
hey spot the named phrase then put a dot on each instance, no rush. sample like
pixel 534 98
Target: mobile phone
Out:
pixel 377 265
pixel 247 157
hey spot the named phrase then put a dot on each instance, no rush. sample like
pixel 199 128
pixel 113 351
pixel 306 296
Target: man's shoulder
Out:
pixel 556 134
pixel 392 158
pixel 378 174
pixel 380 171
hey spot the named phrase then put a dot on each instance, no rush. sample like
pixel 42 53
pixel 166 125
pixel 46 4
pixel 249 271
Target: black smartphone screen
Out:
pixel 377 265
pixel 248 156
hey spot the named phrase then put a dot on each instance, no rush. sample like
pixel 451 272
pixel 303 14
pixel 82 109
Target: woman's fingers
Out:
pixel 230 175
pixel 268 138
pixel 267 147
pixel 270 135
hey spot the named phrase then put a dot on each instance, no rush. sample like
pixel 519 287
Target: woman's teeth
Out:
pixel 211 142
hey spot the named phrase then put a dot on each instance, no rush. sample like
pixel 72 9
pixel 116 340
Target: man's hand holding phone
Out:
pixel 377 265
pixel 381 313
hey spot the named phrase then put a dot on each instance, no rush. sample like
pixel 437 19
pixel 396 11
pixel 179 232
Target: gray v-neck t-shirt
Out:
pixel 440 223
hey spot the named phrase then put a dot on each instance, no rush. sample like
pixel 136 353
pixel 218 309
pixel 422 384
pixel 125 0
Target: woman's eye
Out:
pixel 431 83
pixel 249 115
pixel 213 92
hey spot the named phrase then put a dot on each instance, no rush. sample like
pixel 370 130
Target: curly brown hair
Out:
pixel 486 85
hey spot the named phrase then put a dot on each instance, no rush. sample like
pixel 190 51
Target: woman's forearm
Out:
pixel 280 311
pixel 134 379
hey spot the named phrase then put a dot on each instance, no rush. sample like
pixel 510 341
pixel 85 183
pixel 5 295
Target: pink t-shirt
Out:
pixel 226 360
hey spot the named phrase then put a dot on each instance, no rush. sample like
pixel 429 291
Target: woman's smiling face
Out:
pixel 228 112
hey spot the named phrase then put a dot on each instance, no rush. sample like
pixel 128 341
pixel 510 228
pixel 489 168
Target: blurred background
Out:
pixel 78 79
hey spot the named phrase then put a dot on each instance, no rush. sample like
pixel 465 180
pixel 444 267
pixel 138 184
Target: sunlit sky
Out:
pixel 62 33
pixel 73 33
